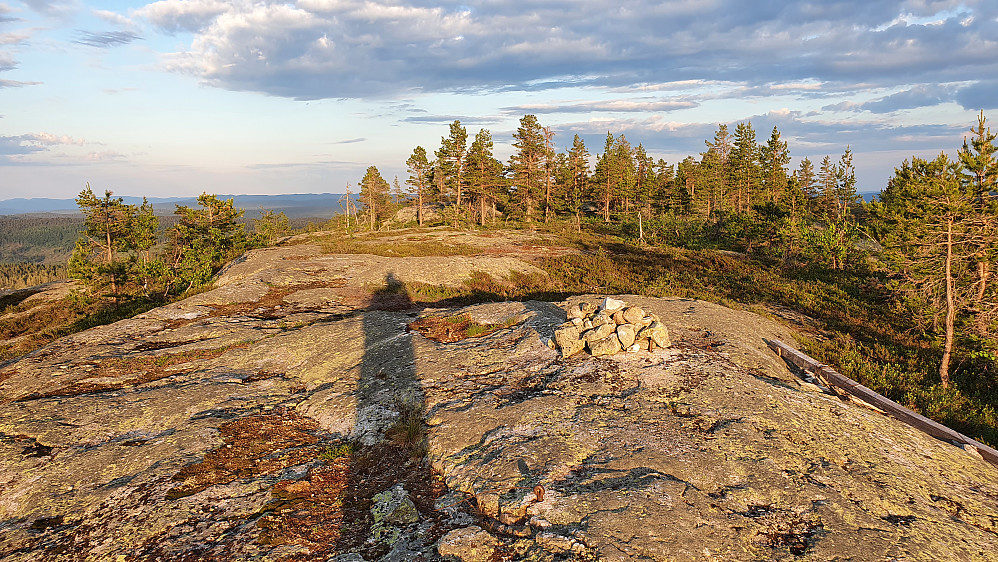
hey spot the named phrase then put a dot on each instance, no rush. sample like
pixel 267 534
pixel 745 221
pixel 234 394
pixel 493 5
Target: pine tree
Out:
pixel 204 239
pixel 451 161
pixel 806 183
pixel 775 157
pixel 374 195
pixel 744 167
pixel 714 171
pixel 827 184
pixel 100 258
pixel 527 164
pixel 928 225
pixel 845 184
pixel 485 179
pixel 979 171
pixel 578 175
pixel 419 178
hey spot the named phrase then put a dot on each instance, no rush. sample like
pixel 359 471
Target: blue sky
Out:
pixel 177 97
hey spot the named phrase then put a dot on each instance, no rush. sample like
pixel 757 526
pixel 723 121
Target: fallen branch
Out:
pixel 891 408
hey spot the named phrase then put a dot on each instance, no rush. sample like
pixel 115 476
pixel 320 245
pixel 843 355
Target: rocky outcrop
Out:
pixel 283 416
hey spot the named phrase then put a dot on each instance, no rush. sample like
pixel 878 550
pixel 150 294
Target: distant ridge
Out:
pixel 293 205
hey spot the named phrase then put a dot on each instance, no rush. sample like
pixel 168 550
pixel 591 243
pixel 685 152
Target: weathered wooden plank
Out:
pixel 889 406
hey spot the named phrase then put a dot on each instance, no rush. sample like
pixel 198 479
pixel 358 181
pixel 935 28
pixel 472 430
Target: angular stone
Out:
pixel 635 347
pixel 611 304
pixel 625 333
pixel 657 333
pixel 602 318
pixel 577 322
pixel 618 318
pixel 469 544
pixel 393 507
pixel 587 324
pixel 633 314
pixel 575 312
pixel 569 340
pixel 599 332
pixel 646 321
pixel 606 346
pixel 587 308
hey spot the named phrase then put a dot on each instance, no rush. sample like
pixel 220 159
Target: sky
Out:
pixel 179 97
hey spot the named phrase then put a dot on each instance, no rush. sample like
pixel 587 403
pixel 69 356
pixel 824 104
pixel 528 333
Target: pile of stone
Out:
pixel 609 328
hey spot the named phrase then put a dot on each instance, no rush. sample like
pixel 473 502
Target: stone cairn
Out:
pixel 609 328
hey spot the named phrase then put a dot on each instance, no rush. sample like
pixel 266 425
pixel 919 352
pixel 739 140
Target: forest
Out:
pixel 903 287
pixel 921 256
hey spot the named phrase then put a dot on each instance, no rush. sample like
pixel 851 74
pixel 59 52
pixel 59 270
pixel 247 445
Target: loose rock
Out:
pixel 470 544
pixel 633 315
pixel 606 346
pixel 625 333
pixel 611 304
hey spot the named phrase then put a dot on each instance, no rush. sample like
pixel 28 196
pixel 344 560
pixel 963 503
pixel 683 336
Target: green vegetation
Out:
pixel 20 275
pixel 901 290
pixel 38 240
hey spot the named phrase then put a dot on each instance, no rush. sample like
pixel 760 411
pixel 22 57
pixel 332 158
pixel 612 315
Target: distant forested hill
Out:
pixel 294 206
pixel 38 239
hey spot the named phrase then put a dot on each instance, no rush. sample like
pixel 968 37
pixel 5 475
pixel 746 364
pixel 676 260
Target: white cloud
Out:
pixel 183 15
pixel 388 48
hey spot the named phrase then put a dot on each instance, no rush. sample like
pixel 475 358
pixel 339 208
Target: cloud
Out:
pixel 981 95
pixel 16 84
pixel 13 38
pixel 20 145
pixel 4 17
pixel 183 15
pixel 320 164
pixel 910 98
pixel 105 39
pixel 114 18
pixel 388 48
pixel 349 141
pixel 619 105
pixel 51 8
pixel 7 62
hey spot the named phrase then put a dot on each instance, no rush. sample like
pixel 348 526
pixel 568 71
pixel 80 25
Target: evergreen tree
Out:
pixel 485 175
pixel 827 185
pixel 806 183
pixel 606 177
pixel 979 167
pixel 101 257
pixel 928 225
pixel 204 239
pixel 374 196
pixel 549 170
pixel 527 164
pixel 775 157
pixel 578 175
pixel 451 162
pixel 980 162
pixel 419 178
pixel 845 184
pixel 744 167
pixel 713 172
pixel 270 227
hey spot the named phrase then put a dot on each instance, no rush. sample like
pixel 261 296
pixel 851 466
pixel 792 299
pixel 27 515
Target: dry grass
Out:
pixel 449 329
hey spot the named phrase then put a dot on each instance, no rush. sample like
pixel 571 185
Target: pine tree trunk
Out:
pixel 419 209
pixel 982 276
pixel 950 307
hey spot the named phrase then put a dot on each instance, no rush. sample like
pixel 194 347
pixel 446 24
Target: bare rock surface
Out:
pixel 240 423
